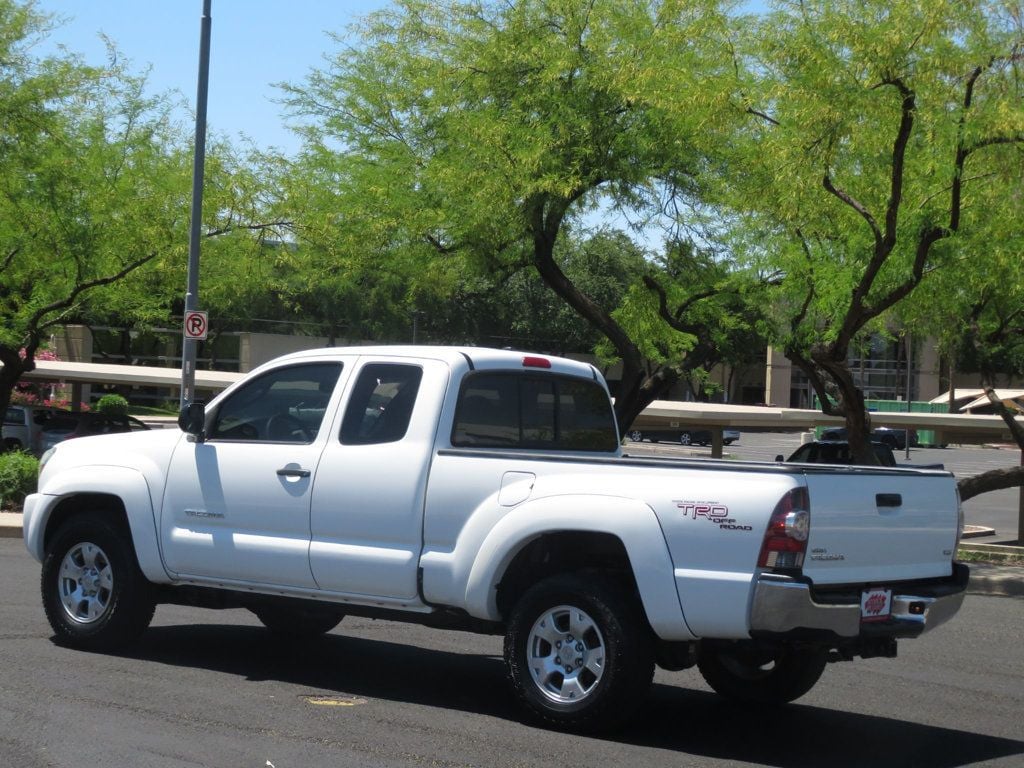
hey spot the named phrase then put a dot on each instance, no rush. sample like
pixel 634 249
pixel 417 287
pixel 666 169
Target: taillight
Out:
pixel 785 541
pixel 531 361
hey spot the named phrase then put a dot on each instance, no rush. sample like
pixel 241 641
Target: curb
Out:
pixel 10 525
pixel 995 580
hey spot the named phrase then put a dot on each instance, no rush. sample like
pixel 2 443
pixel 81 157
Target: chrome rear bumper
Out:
pixel 783 605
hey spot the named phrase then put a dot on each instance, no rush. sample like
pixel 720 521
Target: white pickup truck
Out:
pixel 485 490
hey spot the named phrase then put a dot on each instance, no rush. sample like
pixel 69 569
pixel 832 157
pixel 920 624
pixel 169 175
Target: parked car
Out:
pixel 894 438
pixel 23 427
pixel 837 452
pixel 66 425
pixel 681 436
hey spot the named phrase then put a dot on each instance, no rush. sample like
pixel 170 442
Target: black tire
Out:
pixel 94 594
pixel 685 438
pixel 288 622
pixel 610 663
pixel 746 674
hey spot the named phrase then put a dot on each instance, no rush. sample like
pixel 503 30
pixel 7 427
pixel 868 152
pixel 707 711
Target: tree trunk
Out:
pixel 852 407
pixel 14 368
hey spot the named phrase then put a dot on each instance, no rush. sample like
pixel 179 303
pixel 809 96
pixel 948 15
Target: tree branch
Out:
pixel 9 258
pixel 250 227
pixel 36 318
pixel 673 319
pixel 857 206
pixel 899 153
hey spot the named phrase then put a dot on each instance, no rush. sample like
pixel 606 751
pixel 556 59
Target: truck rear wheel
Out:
pixel 748 674
pixel 93 592
pixel 578 652
pixel 293 623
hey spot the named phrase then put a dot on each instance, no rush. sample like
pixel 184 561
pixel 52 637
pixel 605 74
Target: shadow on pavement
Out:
pixel 690 722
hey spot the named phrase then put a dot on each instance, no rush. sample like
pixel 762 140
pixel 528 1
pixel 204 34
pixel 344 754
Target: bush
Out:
pixel 112 405
pixel 18 473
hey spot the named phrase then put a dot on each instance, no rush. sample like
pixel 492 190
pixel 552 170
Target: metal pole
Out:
pixel 906 431
pixel 1020 508
pixel 188 353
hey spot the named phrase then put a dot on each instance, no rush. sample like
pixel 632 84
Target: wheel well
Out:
pixel 563 552
pixel 85 502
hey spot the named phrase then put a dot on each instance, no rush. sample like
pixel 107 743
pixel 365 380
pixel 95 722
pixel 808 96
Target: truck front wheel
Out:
pixel 746 673
pixel 578 652
pixel 93 592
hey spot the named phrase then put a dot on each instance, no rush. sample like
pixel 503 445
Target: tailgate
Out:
pixel 876 526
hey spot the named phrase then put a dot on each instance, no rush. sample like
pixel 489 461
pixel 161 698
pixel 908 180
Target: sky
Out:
pixel 253 44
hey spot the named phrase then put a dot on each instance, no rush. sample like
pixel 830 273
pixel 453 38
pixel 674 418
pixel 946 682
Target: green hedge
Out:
pixel 112 405
pixel 18 473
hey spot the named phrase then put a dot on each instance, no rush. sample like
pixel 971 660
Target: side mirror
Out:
pixel 780 457
pixel 192 420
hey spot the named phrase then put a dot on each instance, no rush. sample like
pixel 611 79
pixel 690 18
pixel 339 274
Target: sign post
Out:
pixel 192 316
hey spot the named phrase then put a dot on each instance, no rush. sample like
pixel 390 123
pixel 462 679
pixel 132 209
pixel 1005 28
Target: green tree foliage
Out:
pixel 113 405
pixel 885 142
pixel 981 323
pixel 460 138
pixel 18 473
pixel 93 185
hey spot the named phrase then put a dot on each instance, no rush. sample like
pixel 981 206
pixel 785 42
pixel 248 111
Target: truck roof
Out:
pixel 476 358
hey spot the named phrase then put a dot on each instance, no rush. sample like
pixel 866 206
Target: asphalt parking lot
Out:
pixel 997 510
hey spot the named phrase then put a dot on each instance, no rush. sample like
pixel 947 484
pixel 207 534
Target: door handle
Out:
pixel 888 499
pixel 291 472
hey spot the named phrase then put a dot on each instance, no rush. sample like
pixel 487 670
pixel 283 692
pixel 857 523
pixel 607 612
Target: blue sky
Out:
pixel 254 43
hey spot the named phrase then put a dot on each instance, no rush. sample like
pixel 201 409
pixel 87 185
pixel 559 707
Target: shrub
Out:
pixel 112 405
pixel 18 473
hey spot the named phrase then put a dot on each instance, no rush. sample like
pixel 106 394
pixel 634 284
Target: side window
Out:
pixel 546 412
pixel 286 405
pixel 380 407
pixel 585 421
pixel 488 411
pixel 14 416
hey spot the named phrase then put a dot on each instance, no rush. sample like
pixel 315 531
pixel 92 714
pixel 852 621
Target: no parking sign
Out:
pixel 196 325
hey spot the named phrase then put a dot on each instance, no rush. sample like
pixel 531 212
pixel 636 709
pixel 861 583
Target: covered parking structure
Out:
pixel 78 374
pixel 949 427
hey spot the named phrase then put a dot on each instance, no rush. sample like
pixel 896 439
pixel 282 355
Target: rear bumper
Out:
pixel 785 606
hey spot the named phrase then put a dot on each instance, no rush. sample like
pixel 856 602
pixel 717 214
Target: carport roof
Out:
pixel 137 375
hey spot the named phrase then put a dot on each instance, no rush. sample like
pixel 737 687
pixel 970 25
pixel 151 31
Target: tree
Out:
pixel 984 311
pixel 93 185
pixel 883 132
pixel 465 136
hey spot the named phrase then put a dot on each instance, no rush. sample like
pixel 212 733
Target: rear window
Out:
pixel 549 412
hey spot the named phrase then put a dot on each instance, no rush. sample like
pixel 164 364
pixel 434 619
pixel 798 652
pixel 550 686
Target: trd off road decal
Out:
pixel 713 512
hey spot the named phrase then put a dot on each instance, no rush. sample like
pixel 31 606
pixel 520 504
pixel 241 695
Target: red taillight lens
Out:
pixel 785 541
